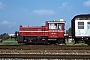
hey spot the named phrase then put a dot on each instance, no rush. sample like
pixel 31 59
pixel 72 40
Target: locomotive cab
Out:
pixel 56 31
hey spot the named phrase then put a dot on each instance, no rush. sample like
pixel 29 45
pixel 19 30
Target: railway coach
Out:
pixel 80 26
pixel 53 31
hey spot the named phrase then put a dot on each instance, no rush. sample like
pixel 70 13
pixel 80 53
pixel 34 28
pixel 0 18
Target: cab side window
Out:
pixel 52 26
pixel 60 26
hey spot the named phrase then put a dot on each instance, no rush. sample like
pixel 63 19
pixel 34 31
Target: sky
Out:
pixel 14 13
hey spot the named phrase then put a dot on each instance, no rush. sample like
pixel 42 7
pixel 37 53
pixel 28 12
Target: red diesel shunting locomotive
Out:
pixel 52 31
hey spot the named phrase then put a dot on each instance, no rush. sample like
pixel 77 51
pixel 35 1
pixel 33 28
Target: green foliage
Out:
pixel 71 43
pixel 69 31
pixel 4 36
pixel 10 42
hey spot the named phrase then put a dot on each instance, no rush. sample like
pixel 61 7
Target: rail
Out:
pixel 43 47
pixel 34 56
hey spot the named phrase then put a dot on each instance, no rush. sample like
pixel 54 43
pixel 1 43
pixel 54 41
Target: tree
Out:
pixel 69 31
pixel 4 36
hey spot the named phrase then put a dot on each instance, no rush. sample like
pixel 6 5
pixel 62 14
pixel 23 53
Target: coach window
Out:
pixel 88 25
pixel 60 26
pixel 80 25
pixel 53 26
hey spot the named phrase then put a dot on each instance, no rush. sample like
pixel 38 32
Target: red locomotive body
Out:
pixel 52 31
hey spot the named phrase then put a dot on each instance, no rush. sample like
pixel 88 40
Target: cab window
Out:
pixel 53 26
pixel 60 26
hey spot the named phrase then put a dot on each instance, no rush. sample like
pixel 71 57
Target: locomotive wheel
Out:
pixel 25 41
pixel 48 43
pixel 60 41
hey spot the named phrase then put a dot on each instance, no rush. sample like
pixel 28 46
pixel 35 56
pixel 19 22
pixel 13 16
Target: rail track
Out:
pixel 53 54
pixel 33 56
pixel 44 47
pixel 45 51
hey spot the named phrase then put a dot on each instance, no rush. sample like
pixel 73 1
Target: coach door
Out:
pixel 79 28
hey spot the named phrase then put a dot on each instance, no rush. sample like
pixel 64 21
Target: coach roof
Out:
pixel 82 16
